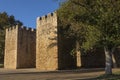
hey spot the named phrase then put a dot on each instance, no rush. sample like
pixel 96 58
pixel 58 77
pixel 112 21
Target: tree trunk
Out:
pixel 108 56
pixel 114 61
pixel 78 54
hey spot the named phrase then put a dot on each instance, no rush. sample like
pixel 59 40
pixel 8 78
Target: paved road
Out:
pixel 33 74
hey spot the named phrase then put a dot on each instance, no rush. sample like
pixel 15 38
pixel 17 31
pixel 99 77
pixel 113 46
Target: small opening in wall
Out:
pixel 40 18
pixel 51 14
pixel 45 16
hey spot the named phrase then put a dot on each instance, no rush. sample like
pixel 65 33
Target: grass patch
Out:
pixel 1 65
pixel 114 76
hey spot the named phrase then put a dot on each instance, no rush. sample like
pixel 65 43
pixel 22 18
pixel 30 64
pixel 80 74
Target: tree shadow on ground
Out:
pixel 104 77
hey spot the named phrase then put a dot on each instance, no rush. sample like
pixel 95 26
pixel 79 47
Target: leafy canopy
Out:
pixel 92 22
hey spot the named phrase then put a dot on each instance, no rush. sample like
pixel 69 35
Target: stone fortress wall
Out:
pixel 53 49
pixel 26 47
pixel 20 50
pixel 46 39
pixel 46 48
pixel 10 59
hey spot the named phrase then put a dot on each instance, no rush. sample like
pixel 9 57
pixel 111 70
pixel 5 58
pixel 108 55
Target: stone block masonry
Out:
pixel 46 49
pixel 10 59
pixel 51 53
pixel 46 39
pixel 20 50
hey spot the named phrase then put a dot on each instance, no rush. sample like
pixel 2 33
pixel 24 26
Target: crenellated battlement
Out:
pixel 49 18
pixel 46 16
pixel 20 28
pixel 43 48
pixel 11 28
pixel 27 28
pixel 20 50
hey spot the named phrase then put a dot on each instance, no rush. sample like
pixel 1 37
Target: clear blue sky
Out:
pixel 28 10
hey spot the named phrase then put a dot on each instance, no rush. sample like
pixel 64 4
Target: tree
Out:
pixel 93 23
pixel 5 22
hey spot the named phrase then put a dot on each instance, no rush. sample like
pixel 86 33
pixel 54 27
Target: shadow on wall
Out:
pixel 2 60
pixel 65 46
pixel 117 57
pixel 52 44
pixel 66 59
pixel 93 59
pixel 96 59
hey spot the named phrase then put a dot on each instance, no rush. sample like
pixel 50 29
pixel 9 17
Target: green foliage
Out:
pixel 92 22
pixel 5 22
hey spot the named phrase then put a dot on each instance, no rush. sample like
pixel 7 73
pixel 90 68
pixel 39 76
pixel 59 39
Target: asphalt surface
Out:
pixel 33 74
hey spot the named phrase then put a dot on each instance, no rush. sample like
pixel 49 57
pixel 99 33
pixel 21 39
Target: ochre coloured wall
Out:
pixel 53 49
pixel 20 48
pixel 26 57
pixel 10 59
pixel 46 48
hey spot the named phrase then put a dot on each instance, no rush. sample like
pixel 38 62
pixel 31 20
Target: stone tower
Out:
pixel 20 47
pixel 52 49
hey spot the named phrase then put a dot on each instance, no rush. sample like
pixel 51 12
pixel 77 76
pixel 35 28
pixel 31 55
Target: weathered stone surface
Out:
pixel 53 49
pixel 20 48
pixel 10 59
pixel 47 50
pixel 26 55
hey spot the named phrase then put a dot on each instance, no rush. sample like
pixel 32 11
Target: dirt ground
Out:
pixel 33 74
